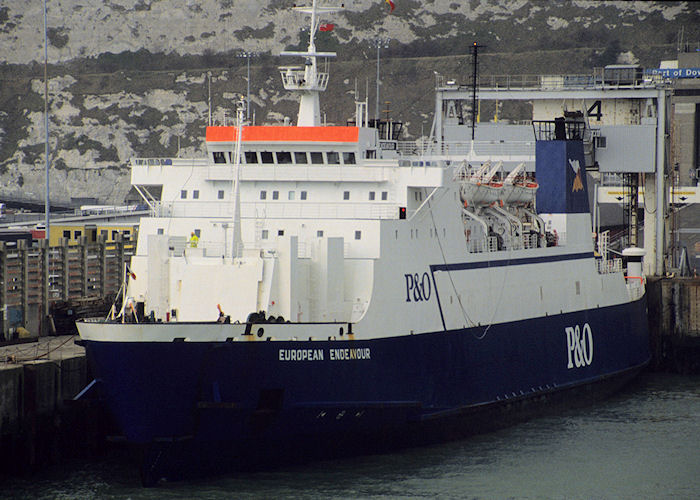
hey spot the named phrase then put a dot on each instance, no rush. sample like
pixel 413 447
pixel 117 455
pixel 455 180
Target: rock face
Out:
pixel 134 78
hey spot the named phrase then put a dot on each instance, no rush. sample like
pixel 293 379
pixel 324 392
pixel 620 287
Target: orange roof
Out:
pixel 284 134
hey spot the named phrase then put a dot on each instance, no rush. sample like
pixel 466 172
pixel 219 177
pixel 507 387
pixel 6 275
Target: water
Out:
pixel 642 443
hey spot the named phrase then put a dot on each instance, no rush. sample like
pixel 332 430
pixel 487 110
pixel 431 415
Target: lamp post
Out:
pixel 379 42
pixel 247 55
pixel 47 208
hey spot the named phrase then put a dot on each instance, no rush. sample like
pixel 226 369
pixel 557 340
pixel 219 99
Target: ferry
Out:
pixel 310 291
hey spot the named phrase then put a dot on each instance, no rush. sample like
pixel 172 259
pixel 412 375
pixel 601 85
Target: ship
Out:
pixel 312 290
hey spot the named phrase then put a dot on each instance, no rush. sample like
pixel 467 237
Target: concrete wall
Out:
pixel 39 422
pixel 674 323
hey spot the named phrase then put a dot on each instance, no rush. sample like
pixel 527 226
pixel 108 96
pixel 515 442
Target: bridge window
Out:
pixel 317 158
pixel 251 157
pixel 333 158
pixel 219 157
pixel 300 158
pixel 183 194
pixel 284 157
pixel 349 158
pixel 266 157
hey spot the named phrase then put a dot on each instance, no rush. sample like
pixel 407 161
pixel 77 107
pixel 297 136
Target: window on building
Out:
pixel 317 158
pixel 333 158
pixel 284 157
pixel 280 232
pixel 319 234
pixel 266 157
pixel 115 233
pixel 263 195
pixel 251 157
pixel 349 158
pixel 161 230
pixel 302 195
pixel 195 194
pixel 370 153
pixel 77 234
pixel 220 194
pixel 264 234
pixel 385 195
pixel 275 195
pixel 346 195
pixel 183 194
pixel 300 157
pixel 104 233
pixel 66 234
pixel 358 235
pixel 219 157
pixel 290 195
pixel 371 196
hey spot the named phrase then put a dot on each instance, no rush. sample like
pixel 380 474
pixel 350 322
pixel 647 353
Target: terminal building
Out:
pixel 642 144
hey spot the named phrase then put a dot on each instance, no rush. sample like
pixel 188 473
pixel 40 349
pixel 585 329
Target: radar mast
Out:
pixel 308 80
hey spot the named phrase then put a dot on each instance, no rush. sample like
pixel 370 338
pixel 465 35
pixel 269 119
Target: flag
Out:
pixel 391 5
pixel 326 27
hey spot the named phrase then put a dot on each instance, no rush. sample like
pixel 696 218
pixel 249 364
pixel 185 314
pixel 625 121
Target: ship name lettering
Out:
pixel 579 344
pixel 349 354
pixel 301 354
pixel 417 287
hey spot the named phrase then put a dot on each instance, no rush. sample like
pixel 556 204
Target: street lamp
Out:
pixel 379 42
pixel 247 55
pixel 47 203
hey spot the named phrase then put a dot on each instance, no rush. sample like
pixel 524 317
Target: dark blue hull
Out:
pixel 258 398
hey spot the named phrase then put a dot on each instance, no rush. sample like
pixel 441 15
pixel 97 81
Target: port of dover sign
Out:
pixel 675 72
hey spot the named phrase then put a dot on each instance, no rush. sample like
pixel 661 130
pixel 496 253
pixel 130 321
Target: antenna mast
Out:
pixel 307 79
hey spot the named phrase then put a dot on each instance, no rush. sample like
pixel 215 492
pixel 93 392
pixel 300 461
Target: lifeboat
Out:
pixel 518 188
pixel 481 187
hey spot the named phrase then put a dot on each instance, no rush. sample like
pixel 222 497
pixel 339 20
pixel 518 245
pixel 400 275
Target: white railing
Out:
pixel 478 148
pixel 635 287
pixel 278 210
pixel 599 79
pixel 609 266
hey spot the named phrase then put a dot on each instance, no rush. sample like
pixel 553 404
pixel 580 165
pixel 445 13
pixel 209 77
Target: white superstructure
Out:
pixel 331 231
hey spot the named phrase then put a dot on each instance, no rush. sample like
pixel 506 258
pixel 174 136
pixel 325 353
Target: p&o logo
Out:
pixel 579 344
pixel 417 287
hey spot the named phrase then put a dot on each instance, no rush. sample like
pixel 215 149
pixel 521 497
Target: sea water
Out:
pixel 643 442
